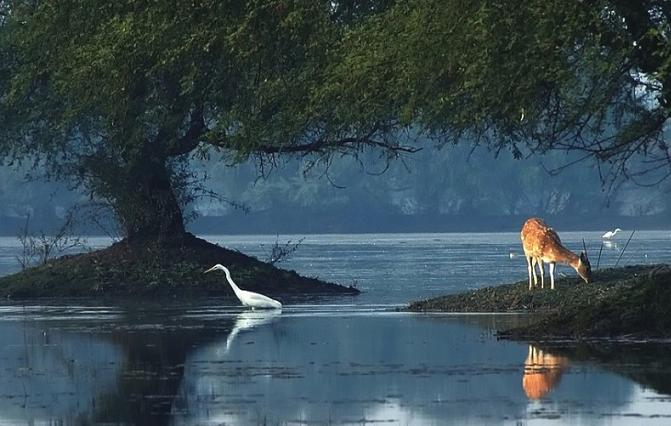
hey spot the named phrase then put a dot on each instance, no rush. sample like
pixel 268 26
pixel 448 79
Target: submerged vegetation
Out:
pixel 629 301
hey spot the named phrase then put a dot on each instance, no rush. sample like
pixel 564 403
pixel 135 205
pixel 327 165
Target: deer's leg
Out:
pixel 533 270
pixel 541 267
pixel 552 275
pixel 530 355
pixel 529 267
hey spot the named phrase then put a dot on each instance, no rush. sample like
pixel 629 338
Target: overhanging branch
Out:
pixel 323 145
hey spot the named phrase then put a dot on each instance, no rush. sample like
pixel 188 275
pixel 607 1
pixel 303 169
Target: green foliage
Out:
pixel 117 94
pixel 587 75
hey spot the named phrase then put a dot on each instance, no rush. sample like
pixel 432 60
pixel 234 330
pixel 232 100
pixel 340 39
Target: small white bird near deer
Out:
pixel 247 298
pixel 610 234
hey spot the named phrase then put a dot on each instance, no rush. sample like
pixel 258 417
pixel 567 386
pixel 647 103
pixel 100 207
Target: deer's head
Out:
pixel 584 269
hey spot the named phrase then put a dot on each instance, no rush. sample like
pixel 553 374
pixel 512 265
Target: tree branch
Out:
pixel 322 145
pixel 191 139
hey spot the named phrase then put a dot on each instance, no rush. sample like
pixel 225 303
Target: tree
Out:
pixel 117 95
pixel 529 76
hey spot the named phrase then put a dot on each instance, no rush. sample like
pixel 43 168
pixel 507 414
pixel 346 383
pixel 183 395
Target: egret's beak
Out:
pixel 209 270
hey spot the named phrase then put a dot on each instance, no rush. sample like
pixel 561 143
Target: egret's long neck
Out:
pixel 236 289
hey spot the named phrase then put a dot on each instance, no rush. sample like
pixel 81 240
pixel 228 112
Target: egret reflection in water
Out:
pixel 611 245
pixel 249 320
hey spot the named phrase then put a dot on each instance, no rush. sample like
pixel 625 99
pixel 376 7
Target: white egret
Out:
pixel 610 234
pixel 248 298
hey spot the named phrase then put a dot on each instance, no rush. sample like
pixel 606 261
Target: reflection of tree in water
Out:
pixel 125 369
pixel 542 372
pixel 49 376
pixel 153 368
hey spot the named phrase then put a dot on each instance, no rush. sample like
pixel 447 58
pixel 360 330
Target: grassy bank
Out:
pixel 628 301
pixel 164 269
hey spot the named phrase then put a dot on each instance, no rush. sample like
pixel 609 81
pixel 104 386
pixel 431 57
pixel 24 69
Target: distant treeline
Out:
pixel 446 190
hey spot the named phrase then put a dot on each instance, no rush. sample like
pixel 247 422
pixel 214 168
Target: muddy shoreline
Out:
pixel 631 302
pixel 148 269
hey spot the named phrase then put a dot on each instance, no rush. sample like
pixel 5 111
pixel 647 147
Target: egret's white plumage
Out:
pixel 247 298
pixel 610 234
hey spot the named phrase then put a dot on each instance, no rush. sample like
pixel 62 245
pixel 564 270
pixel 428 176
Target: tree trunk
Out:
pixel 148 208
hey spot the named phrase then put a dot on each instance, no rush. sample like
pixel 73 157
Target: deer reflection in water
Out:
pixel 542 372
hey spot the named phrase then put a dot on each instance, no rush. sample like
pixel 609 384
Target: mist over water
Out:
pixel 337 360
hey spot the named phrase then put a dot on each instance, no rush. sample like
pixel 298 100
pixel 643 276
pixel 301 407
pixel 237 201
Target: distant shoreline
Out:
pixel 271 223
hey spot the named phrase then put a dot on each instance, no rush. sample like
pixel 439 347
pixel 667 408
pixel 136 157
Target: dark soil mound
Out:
pixel 167 268
pixel 632 300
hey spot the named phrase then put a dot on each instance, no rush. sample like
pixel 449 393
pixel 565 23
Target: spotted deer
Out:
pixel 542 245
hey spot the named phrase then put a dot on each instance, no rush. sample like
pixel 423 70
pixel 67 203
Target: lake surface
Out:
pixel 351 360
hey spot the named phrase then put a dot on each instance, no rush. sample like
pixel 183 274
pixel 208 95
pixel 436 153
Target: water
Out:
pixel 399 268
pixel 347 360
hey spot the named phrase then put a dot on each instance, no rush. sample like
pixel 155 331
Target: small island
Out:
pixel 630 302
pixel 159 268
